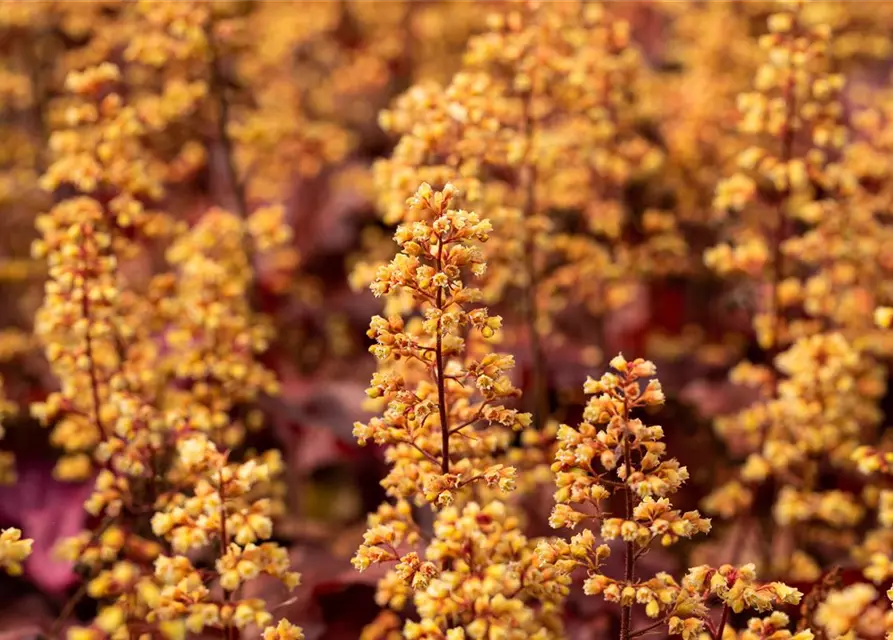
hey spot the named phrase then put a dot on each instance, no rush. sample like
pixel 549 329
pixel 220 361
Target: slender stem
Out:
pixel 648 629
pixel 94 381
pixel 423 452
pixel 722 622
pixel 218 90
pixel 787 146
pixel 88 352
pixel 438 361
pixel 73 601
pixel 777 273
pixel 468 423
pixel 409 45
pixel 630 553
pixel 528 178
pixel 229 630
pixel 39 91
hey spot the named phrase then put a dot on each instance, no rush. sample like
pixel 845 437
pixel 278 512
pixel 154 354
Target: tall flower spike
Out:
pixel 444 424
pixel 624 447
pixel 540 126
pixel 792 118
pixel 631 452
pixel 221 509
pixel 805 225
pixel 447 438
pixel 152 368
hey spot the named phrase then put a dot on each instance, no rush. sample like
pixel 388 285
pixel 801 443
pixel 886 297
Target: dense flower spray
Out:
pixel 789 228
pixel 446 434
pixel 540 128
pixel 151 370
pixel 630 456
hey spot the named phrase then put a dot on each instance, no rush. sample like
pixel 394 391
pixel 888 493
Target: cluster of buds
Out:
pixel 737 589
pixel 854 611
pixel 876 549
pixel 477 575
pixel 792 197
pixel 213 336
pixel 13 550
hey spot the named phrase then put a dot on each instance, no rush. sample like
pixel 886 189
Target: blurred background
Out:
pixel 302 104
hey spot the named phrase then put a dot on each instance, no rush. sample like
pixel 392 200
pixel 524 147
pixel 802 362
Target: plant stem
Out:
pixel 438 363
pixel 722 622
pixel 35 57
pixel 528 178
pixel 630 558
pixel 648 629
pixel 787 146
pixel 218 90
pixel 229 630
pixel 409 46
pixel 777 273
pixel 88 353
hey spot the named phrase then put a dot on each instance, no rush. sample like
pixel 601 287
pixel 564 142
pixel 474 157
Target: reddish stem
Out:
pixel 229 630
pixel 722 622
pixel 630 554
pixel 528 177
pixel 88 352
pixel 438 363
